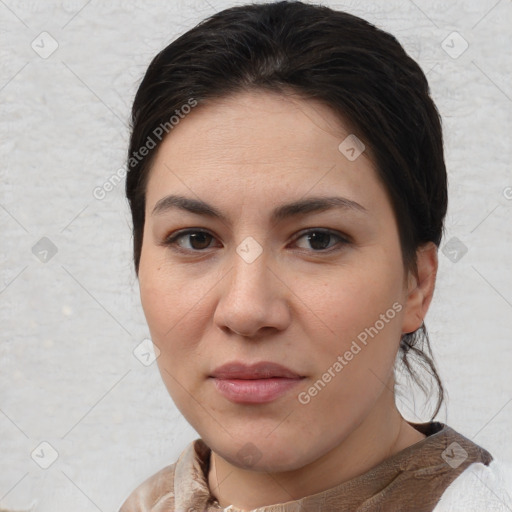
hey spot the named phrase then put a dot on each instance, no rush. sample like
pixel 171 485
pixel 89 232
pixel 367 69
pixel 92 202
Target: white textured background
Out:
pixel 68 376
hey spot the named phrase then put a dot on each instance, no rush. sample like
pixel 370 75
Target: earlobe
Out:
pixel 420 288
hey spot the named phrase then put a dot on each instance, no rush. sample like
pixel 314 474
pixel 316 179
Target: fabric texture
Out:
pixel 413 479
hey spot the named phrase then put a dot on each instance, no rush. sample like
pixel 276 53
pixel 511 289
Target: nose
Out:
pixel 254 299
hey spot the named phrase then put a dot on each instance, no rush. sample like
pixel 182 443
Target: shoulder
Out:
pixel 155 494
pixel 479 487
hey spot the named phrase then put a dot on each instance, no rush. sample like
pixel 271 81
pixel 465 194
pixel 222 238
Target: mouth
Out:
pixel 261 370
pixel 252 384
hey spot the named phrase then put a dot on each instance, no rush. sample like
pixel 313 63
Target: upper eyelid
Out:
pixel 187 231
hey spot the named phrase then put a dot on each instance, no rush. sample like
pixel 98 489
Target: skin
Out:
pixel 295 304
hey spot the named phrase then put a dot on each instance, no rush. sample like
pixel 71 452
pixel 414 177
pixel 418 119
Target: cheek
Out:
pixel 177 312
pixel 165 311
pixel 354 299
pixel 166 295
pixel 361 315
pixel 172 321
pixel 364 315
pixel 156 298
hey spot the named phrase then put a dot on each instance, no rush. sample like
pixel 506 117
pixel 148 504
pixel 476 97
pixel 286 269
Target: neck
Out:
pixel 381 434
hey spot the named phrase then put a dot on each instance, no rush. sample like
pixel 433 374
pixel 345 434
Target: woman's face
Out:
pixel 320 291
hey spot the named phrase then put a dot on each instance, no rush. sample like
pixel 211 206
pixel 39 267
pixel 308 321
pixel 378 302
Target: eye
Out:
pixel 319 239
pixel 198 240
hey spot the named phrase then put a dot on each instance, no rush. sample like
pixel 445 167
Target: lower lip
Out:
pixel 255 391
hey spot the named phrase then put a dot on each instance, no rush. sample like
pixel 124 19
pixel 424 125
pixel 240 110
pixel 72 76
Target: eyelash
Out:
pixel 172 240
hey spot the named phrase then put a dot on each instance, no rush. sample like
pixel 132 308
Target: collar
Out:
pixel 417 474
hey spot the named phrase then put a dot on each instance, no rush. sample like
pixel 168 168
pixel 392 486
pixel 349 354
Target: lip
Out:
pixel 256 383
pixel 260 370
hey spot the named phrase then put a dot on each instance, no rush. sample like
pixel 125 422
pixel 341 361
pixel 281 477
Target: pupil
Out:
pixel 202 238
pixel 317 237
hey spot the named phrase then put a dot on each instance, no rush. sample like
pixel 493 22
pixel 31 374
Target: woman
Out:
pixel 258 134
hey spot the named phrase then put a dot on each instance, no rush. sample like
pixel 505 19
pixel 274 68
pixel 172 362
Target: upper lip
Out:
pixel 261 370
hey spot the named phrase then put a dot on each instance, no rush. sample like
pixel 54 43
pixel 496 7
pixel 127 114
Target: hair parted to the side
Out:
pixel 360 72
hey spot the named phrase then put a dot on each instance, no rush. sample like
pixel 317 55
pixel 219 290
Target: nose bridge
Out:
pixel 250 273
pixel 250 298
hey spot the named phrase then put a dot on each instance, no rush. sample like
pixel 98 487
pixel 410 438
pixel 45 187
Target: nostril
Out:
pixel 240 333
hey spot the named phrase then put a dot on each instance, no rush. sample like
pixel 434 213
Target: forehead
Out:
pixel 252 123
pixel 256 143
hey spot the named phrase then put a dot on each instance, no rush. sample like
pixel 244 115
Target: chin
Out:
pixel 262 454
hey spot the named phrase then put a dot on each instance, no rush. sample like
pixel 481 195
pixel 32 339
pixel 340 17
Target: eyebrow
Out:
pixel 281 212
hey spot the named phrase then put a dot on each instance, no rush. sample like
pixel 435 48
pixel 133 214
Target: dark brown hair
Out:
pixel 360 72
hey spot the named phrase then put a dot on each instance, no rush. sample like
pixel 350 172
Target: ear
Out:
pixel 420 288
